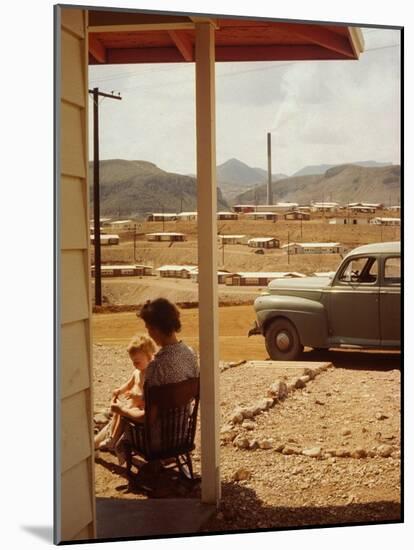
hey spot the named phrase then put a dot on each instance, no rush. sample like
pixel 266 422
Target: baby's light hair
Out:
pixel 141 343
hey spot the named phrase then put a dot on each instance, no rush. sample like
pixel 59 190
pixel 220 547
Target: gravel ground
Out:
pixel 327 453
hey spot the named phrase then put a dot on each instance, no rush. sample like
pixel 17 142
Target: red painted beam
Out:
pixel 224 53
pixel 96 49
pixel 144 55
pixel 275 53
pixel 321 36
pixel 184 44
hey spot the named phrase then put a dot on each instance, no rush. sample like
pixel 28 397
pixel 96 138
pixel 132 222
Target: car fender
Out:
pixel 308 316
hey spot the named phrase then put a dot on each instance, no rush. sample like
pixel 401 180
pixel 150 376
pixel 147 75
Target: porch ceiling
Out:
pixel 130 37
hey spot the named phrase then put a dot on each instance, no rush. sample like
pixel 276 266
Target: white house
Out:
pixel 261 216
pixel 221 275
pixel 165 236
pixel 227 216
pixel 106 239
pixel 314 248
pixel 263 242
pixel 386 221
pixel 258 278
pixel 278 207
pixel 176 271
pixel 324 207
pixel 244 208
pixel 231 239
pixel 122 270
pixel 363 205
pixel 121 225
pixel 161 216
pixel 348 220
pixel 187 216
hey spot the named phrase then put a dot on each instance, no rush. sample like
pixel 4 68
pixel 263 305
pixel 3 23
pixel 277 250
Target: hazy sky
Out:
pixel 318 112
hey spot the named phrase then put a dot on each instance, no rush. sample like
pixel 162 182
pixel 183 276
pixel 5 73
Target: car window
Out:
pixel 361 270
pixel 392 271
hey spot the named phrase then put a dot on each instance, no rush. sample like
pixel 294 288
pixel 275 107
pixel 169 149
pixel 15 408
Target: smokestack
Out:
pixel 269 169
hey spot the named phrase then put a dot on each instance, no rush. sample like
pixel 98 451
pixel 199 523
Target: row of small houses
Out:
pixel 279 211
pixel 253 215
pixel 191 272
pixel 349 220
pixel 243 278
pixel 363 207
pixel 256 242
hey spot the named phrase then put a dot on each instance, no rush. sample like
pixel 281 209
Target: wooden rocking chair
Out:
pixel 169 425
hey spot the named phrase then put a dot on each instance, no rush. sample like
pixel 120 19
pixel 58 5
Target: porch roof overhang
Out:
pixel 131 37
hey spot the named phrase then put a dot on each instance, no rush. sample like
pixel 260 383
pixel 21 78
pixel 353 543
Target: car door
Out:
pixel 354 303
pixel 390 302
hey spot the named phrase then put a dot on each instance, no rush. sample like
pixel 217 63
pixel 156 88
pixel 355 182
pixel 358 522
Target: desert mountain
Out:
pixel 343 184
pixel 322 168
pixel 134 188
pixel 235 177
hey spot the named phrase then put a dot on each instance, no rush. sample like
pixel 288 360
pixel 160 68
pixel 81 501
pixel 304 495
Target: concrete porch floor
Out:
pixel 120 518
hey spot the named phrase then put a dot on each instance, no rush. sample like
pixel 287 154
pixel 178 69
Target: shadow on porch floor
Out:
pixel 120 518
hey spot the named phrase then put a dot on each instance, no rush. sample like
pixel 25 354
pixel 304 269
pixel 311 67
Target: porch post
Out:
pixel 207 262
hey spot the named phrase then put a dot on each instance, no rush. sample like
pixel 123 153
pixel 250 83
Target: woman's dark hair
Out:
pixel 161 314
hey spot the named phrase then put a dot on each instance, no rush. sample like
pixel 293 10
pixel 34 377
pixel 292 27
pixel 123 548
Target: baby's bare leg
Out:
pixel 103 433
pixel 118 427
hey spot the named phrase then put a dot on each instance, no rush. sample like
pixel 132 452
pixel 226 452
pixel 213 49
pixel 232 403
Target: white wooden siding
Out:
pixel 75 496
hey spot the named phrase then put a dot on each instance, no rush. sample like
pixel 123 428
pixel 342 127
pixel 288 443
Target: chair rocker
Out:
pixel 169 426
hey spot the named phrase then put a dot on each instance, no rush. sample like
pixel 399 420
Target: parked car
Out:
pixel 359 306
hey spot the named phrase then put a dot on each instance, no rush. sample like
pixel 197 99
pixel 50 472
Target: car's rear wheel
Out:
pixel 282 341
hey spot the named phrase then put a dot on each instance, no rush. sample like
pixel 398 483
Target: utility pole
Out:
pixel 96 206
pixel 135 241
pixel 163 219
pixel 288 254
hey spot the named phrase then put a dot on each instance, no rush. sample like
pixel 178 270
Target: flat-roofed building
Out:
pixel 122 270
pixel 278 207
pixel 165 236
pixel 314 248
pixel 161 216
pixel 297 215
pixel 106 239
pixel 386 221
pixel 231 239
pixel 221 275
pixel 263 242
pixel 369 205
pixel 324 207
pixel 176 271
pixel 227 216
pixel 348 220
pixel 272 216
pixel 244 208
pixel 395 208
pixel 187 216
pixel 121 225
pixel 258 278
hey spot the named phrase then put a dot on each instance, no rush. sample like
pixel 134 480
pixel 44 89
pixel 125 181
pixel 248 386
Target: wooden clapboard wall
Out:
pixel 75 498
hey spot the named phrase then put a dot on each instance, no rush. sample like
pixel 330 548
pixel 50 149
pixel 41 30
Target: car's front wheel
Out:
pixel 282 341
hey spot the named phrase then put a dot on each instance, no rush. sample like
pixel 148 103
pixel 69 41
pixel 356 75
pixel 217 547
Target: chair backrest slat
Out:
pixel 171 410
